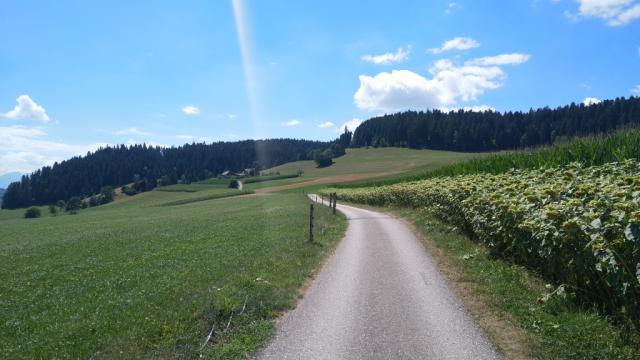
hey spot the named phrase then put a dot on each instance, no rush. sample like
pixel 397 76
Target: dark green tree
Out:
pixel 74 205
pixel 107 194
pixel 32 213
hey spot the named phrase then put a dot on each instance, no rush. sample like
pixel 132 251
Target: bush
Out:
pixel 337 150
pixel 233 184
pixel 107 193
pixel 129 190
pixel 74 204
pixel 94 201
pixel 32 213
pixel 323 159
pixel 53 209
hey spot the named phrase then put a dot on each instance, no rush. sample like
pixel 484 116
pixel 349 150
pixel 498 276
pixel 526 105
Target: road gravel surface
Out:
pixel 379 296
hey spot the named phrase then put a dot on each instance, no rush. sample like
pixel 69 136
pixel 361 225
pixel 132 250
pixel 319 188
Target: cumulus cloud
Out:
pixel 27 109
pixel 191 110
pixel 590 101
pixel 185 137
pixel 388 58
pixel 613 12
pixel 449 84
pixel 502 59
pixel 326 124
pixel 293 122
pixel 451 7
pixel 636 90
pixel 132 131
pixel 351 125
pixel 459 43
pixel 24 149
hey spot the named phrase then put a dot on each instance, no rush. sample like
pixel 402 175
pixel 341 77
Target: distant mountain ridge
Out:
pixel 8 178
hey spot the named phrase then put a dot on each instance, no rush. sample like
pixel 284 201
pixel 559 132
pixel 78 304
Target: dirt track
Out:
pixel 321 181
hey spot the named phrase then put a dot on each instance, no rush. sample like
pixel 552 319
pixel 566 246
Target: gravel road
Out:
pixel 380 296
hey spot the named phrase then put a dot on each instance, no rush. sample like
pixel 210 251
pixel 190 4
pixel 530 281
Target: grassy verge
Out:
pixel 555 329
pixel 135 280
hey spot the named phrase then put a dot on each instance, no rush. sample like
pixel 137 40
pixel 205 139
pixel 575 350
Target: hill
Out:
pixel 369 163
pixel 149 167
pixel 491 131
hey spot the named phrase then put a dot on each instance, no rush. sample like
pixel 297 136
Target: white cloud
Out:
pixel 293 122
pixel 451 7
pixel 351 125
pixel 27 109
pixel 613 12
pixel 459 43
pixel 502 59
pixel 326 124
pixel 590 101
pixel 191 110
pixel 636 90
pixel 25 149
pixel 185 137
pixel 388 58
pixel 450 84
pixel 132 131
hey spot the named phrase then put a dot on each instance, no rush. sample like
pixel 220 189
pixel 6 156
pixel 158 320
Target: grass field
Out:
pixel 378 161
pixel 133 279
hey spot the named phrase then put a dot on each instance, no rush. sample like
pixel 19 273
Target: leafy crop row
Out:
pixel 592 150
pixel 578 226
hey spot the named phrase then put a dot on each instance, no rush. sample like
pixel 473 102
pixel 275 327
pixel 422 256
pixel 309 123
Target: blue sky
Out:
pixel 75 75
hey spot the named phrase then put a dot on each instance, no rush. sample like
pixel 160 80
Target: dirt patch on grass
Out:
pixel 322 181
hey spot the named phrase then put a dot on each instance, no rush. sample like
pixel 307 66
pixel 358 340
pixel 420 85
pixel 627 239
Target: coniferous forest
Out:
pixel 147 167
pixel 490 131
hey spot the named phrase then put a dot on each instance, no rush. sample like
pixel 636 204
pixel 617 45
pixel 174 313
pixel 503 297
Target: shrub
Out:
pixel 107 193
pixel 337 150
pixel 32 213
pixel 323 159
pixel 129 190
pixel 233 184
pixel 74 204
pixel 53 209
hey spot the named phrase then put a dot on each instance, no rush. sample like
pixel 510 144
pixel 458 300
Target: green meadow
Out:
pixel 141 278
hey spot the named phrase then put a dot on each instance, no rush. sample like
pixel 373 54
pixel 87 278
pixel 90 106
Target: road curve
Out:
pixel 380 296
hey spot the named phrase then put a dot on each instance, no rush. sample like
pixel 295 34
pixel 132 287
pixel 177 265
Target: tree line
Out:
pixel 145 167
pixel 489 131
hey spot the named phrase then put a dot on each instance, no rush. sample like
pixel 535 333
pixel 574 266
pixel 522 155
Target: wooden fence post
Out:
pixel 311 223
pixel 335 199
